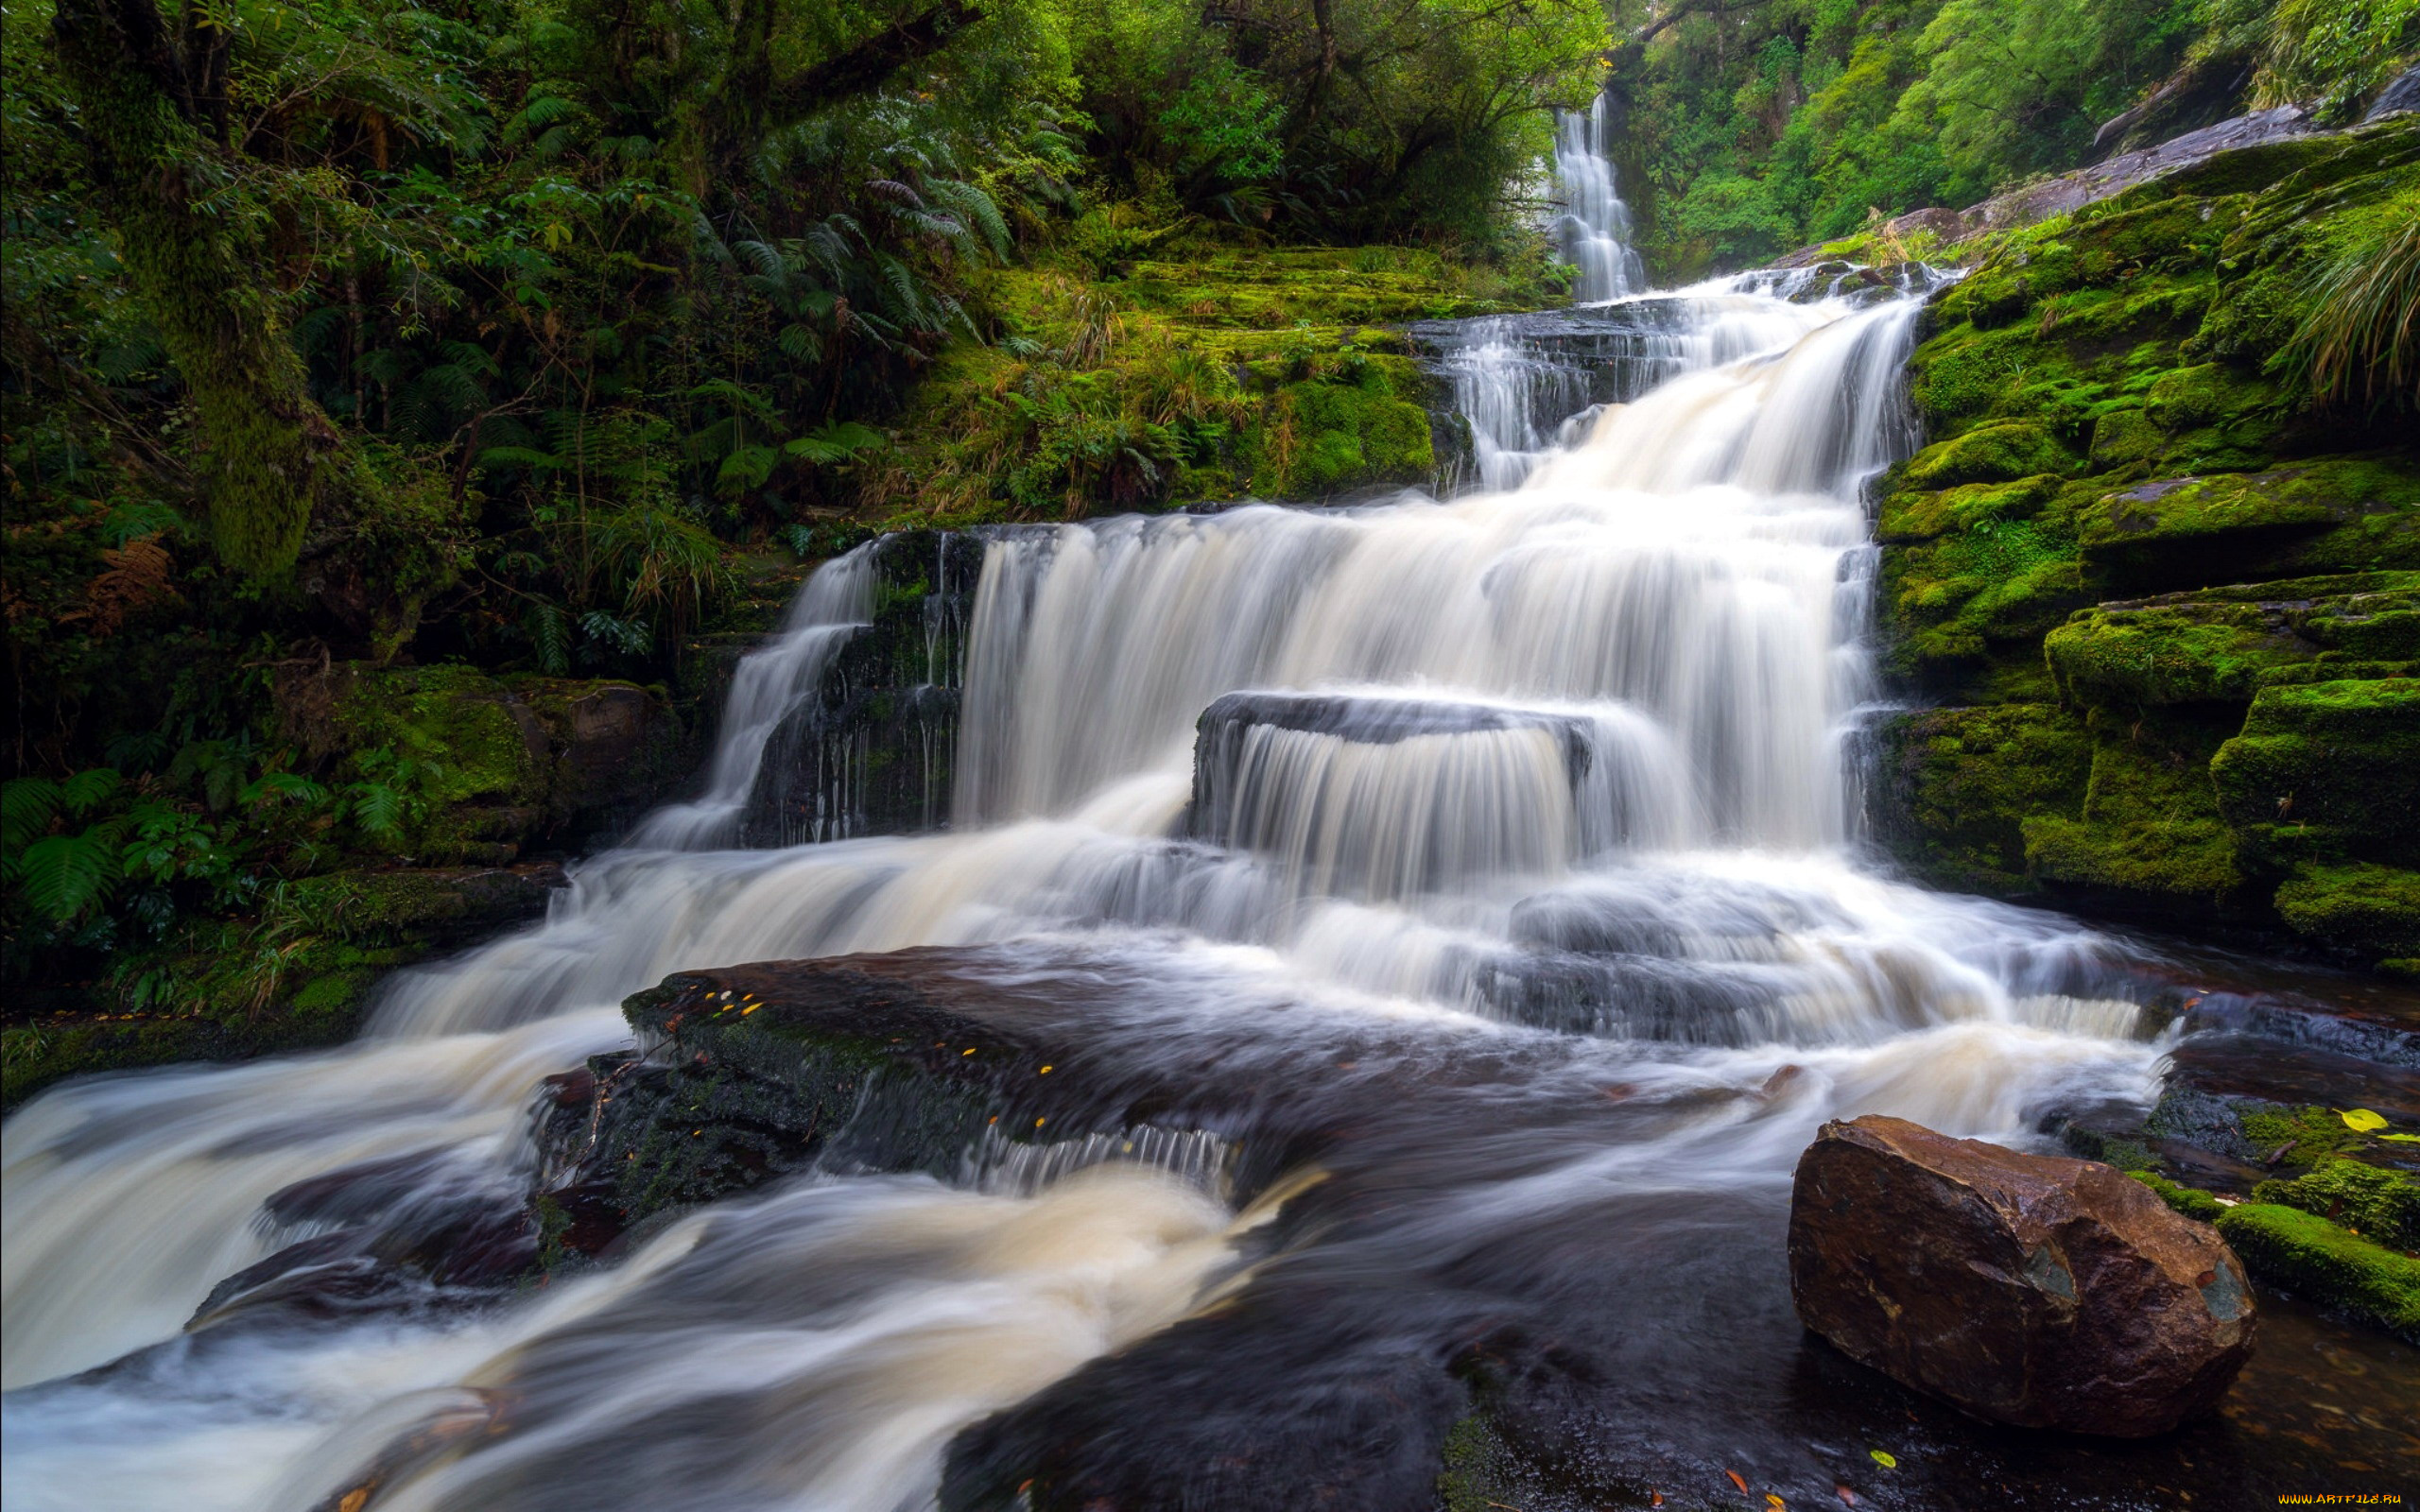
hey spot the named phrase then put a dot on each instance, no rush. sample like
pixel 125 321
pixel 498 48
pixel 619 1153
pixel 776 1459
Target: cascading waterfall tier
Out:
pixel 1499 848
pixel 1594 229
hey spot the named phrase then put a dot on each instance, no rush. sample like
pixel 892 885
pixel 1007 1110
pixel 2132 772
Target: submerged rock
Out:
pixel 2030 1290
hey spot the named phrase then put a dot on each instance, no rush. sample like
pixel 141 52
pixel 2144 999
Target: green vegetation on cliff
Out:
pixel 2167 584
pixel 1751 129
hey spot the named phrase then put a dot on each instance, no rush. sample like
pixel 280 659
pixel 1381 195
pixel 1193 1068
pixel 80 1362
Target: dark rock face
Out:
pixel 2030 1290
pixel 2398 98
pixel 872 750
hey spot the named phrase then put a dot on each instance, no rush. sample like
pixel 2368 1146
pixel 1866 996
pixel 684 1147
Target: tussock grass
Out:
pixel 2359 345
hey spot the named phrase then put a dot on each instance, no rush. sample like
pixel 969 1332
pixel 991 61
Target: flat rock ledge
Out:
pixel 2030 1290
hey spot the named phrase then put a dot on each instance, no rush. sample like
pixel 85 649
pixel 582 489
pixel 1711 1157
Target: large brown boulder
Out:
pixel 2027 1289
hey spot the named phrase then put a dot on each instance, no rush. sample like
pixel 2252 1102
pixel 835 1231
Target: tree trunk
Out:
pixel 150 113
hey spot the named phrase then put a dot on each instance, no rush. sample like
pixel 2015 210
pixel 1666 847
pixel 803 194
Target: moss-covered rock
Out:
pixel 1961 782
pixel 2372 912
pixel 2327 767
pixel 2376 1204
pixel 2150 825
pixel 297 978
pixel 2305 1254
pixel 1989 453
pixel 2343 514
pixel 2225 646
pixel 479 765
pixel 1202 372
pixel 2130 507
pixel 2190 1201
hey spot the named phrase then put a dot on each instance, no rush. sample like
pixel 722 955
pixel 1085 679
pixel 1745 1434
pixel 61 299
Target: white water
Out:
pixel 1594 228
pixel 1678 598
pixel 768 685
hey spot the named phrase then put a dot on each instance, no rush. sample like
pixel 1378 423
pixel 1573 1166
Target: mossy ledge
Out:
pixel 2303 1253
pixel 300 977
pixel 2164 606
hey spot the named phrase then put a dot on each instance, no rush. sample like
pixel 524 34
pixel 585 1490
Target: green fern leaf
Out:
pixel 67 874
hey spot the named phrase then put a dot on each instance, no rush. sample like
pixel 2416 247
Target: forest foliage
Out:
pixel 1753 128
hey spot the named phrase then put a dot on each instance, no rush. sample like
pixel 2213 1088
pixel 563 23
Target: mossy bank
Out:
pixel 2157 588
pixel 1147 367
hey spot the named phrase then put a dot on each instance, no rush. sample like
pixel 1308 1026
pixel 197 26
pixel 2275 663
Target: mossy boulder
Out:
pixel 2207 393
pixel 2321 1263
pixel 297 978
pixel 2226 645
pixel 1989 453
pixel 2337 757
pixel 612 748
pixel 2190 1201
pixel 2376 1204
pixel 484 765
pixel 1959 784
pixel 2371 911
pixel 2150 827
pixel 473 742
pixel 2343 514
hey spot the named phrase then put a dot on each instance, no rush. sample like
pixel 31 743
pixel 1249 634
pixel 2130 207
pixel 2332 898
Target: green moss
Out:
pixel 2337 514
pixel 2298 1136
pixel 1337 435
pixel 2188 651
pixel 1965 779
pixel 454 719
pixel 1910 515
pixel 2016 449
pixel 2333 758
pixel 2378 1205
pixel 2209 394
pixel 2139 333
pixel 2149 823
pixel 1471 1476
pixel 2371 909
pixel 1200 374
pixel 2306 1255
pixel 2273 259
pixel 2190 1201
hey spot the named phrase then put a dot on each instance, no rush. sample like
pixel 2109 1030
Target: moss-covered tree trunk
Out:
pixel 152 108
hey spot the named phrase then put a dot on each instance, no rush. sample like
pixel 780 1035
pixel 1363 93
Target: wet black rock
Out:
pixel 873 750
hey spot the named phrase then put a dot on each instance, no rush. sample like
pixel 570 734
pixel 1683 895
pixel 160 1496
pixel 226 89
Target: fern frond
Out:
pixel 66 874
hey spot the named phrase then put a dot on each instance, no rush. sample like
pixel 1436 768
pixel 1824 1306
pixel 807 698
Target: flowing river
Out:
pixel 1513 835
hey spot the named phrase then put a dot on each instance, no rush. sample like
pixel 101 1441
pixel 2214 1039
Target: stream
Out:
pixel 1515 836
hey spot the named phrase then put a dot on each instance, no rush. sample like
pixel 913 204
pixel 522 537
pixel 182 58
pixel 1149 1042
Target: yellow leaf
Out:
pixel 2360 1120
pixel 1884 1459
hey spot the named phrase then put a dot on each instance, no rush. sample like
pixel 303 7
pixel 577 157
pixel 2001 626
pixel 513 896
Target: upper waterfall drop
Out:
pixel 1594 229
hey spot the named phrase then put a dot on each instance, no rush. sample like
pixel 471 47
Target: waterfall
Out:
pixel 835 603
pixel 1594 228
pixel 1540 790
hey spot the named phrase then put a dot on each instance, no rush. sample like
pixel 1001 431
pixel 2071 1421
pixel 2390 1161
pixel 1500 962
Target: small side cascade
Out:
pixel 1594 229
pixel 868 749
